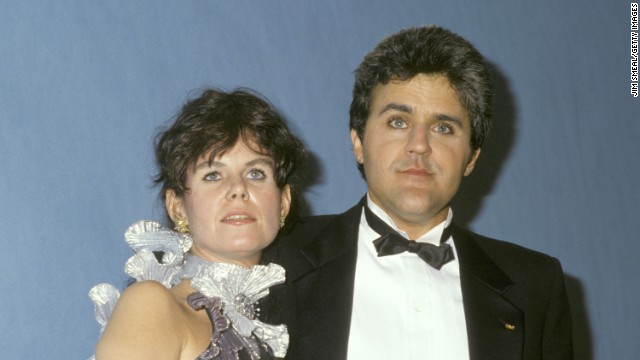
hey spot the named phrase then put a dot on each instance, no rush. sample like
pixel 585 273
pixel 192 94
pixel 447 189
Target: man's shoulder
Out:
pixel 491 243
pixel 315 224
pixel 509 255
pixel 312 223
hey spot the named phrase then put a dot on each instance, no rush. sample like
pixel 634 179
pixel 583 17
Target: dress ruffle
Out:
pixel 227 292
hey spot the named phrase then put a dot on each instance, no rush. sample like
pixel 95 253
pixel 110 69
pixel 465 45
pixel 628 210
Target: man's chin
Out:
pixel 416 210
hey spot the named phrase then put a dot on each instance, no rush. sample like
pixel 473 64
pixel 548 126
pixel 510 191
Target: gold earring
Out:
pixel 181 226
pixel 282 218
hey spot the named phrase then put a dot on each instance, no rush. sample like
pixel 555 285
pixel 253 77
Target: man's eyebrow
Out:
pixel 450 118
pixel 408 110
pixel 398 107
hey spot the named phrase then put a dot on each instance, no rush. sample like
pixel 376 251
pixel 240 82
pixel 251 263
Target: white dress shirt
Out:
pixel 402 307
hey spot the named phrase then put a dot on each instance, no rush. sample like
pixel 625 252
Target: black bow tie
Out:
pixel 391 243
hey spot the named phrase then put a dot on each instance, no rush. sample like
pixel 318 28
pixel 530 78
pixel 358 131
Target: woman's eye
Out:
pixel 256 174
pixel 397 123
pixel 212 176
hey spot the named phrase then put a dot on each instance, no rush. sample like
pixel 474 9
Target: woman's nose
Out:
pixel 238 189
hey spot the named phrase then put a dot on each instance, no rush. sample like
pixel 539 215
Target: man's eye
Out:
pixel 256 174
pixel 444 129
pixel 397 123
pixel 212 176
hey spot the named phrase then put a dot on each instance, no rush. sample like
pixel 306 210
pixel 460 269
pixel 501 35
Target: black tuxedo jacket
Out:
pixel 514 299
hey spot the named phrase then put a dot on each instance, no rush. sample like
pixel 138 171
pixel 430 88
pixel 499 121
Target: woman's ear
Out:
pixel 285 201
pixel 174 205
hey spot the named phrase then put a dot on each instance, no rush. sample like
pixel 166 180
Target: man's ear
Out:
pixel 357 147
pixel 472 162
pixel 174 205
pixel 285 201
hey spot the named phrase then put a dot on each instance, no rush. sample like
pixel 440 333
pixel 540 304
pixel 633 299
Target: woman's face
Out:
pixel 233 205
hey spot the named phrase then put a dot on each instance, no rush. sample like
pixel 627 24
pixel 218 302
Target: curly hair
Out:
pixel 213 123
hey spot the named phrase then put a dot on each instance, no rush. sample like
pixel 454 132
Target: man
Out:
pixel 419 116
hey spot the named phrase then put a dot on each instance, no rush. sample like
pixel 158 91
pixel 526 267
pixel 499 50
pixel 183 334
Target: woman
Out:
pixel 225 167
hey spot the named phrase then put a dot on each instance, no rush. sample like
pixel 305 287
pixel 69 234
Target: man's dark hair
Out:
pixel 426 50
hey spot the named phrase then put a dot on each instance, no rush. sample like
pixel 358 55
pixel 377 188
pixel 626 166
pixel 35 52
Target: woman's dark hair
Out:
pixel 426 50
pixel 213 123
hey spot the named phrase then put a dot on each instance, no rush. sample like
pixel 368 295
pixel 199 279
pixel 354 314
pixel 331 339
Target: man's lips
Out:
pixel 416 172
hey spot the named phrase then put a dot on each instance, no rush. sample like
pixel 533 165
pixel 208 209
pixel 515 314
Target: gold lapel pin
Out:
pixel 507 325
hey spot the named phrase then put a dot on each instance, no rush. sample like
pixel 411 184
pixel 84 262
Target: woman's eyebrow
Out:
pixel 260 161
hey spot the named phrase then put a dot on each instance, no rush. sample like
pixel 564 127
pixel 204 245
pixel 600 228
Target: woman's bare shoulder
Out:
pixel 146 323
pixel 145 290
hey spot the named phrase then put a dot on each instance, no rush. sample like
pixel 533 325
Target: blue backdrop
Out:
pixel 85 84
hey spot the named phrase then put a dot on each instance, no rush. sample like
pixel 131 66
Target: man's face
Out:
pixel 415 150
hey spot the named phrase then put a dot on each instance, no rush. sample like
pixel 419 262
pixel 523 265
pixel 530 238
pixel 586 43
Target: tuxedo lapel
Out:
pixel 322 280
pixel 321 271
pixel 336 238
pixel 495 327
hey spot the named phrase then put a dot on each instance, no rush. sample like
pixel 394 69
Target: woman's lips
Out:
pixel 238 218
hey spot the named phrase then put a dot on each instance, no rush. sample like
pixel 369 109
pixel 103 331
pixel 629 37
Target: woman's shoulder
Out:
pixel 146 321
pixel 147 297
pixel 146 289
pixel 148 302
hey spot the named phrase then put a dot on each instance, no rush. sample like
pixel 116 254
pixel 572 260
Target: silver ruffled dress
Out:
pixel 227 292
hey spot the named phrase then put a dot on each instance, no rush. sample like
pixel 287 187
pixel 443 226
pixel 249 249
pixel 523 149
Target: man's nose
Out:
pixel 418 141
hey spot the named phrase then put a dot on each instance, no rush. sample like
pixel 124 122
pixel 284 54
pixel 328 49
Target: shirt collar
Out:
pixel 431 236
